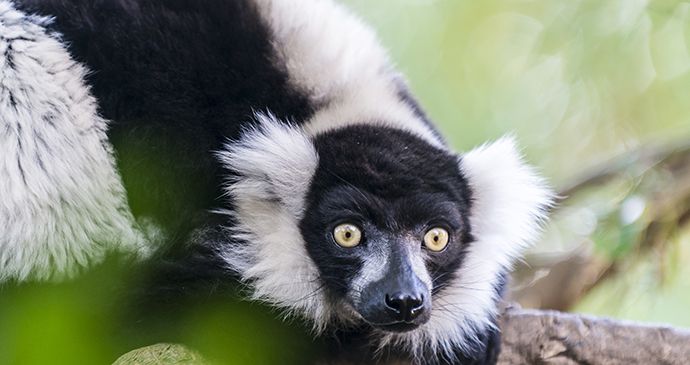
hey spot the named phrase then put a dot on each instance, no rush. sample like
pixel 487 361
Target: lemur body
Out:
pixel 272 141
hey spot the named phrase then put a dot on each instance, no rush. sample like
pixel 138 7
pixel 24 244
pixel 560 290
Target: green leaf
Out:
pixel 162 353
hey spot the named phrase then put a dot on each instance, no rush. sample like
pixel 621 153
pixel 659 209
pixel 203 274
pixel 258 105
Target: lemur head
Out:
pixel 372 225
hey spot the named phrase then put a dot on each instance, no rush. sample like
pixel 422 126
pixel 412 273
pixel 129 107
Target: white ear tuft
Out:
pixel 275 161
pixel 510 200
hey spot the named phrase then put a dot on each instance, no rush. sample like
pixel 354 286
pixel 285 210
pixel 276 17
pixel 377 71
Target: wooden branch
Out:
pixel 551 337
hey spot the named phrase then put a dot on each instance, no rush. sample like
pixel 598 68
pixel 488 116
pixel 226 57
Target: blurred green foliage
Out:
pixel 90 321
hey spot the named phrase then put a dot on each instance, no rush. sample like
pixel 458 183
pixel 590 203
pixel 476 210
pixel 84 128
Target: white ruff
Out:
pixel 275 163
pixel 340 64
pixel 509 207
pixel 62 204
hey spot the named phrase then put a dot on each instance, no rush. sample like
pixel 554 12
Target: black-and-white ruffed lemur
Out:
pixel 272 141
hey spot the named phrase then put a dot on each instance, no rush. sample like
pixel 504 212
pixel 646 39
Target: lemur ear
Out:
pixel 272 165
pixel 510 200
pixel 274 161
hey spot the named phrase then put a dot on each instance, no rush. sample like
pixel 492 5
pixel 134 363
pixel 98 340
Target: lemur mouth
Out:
pixel 398 327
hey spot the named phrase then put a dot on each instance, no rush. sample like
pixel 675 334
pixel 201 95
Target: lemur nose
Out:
pixel 405 306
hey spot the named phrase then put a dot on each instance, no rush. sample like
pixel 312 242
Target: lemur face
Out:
pixel 386 223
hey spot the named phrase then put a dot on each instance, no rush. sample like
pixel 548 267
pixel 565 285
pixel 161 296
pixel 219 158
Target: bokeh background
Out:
pixel 598 94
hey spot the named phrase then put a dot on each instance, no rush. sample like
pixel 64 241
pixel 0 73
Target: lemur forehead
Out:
pixel 385 161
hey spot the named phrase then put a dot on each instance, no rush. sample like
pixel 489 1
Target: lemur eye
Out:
pixel 436 239
pixel 347 235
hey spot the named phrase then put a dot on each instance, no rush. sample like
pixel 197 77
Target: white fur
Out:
pixel 337 60
pixel 375 266
pixel 275 163
pixel 62 205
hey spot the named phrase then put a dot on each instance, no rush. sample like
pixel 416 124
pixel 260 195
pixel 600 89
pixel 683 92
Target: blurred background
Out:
pixel 598 94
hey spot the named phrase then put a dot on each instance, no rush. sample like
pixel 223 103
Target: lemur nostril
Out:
pixel 405 306
pixel 396 304
pixel 416 306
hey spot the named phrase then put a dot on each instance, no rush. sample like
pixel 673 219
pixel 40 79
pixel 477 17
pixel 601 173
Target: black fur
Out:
pixel 354 346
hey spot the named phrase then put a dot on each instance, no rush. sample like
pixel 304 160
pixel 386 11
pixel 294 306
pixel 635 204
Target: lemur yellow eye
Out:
pixel 436 239
pixel 347 235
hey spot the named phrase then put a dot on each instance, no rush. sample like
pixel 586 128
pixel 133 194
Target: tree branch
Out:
pixel 551 337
